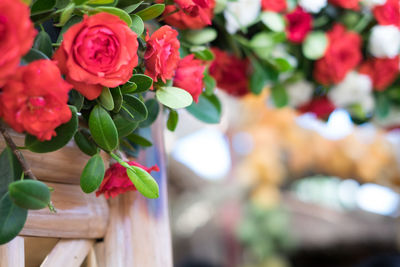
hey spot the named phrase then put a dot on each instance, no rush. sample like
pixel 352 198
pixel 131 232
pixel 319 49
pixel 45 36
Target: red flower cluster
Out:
pixel 162 54
pixel 274 5
pixel 189 76
pixel 99 51
pixel 16 35
pixel 35 99
pixel 116 180
pixel 190 14
pixel 230 73
pixel 348 4
pixel 299 24
pixel 388 13
pixel 322 107
pixel 342 55
pixel 382 71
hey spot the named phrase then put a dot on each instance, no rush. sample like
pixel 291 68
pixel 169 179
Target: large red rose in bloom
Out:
pixel 16 36
pixel 382 71
pixel 274 5
pixel 230 73
pixel 389 13
pixel 162 54
pixel 99 51
pixel 322 107
pixel 189 76
pixel 348 4
pixel 342 55
pixel 299 24
pixel 116 180
pixel 190 14
pixel 35 99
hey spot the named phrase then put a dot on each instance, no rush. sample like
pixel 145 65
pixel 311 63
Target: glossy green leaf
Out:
pixel 151 12
pixel 382 109
pixel 93 174
pixel 143 182
pixel 174 97
pixel 41 6
pixel 210 84
pixel 10 170
pixel 117 98
pixel 142 81
pixel 72 21
pixel 279 95
pixel 153 109
pixel 29 194
pixel 257 78
pixel 133 7
pixel 103 129
pixel 199 37
pixel 65 132
pixel 106 99
pixel 118 12
pixel 128 87
pixel 172 121
pixel 33 55
pixel 208 109
pixel 202 53
pixel 140 140
pixel 66 14
pixel 137 24
pixel 274 21
pixel 85 143
pixel 43 44
pixel 315 45
pixel 283 64
pixel 76 99
pixel 135 107
pixel 12 219
pixel 101 2
pixel 124 126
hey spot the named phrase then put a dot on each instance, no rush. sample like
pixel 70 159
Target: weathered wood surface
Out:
pixel 79 215
pixel 12 253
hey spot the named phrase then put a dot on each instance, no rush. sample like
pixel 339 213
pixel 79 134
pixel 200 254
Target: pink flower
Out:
pixel 299 24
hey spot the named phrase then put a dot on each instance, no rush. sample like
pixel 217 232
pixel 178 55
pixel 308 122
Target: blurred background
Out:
pixel 271 187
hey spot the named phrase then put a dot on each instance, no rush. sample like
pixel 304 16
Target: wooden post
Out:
pixel 12 254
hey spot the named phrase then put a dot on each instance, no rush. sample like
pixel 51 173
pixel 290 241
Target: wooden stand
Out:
pixel 128 230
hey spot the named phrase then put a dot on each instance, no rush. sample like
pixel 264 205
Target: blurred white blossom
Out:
pixel 384 41
pixel 373 3
pixel 299 93
pixel 241 13
pixel 313 6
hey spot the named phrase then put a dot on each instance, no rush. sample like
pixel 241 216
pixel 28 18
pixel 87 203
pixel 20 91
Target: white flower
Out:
pixel 313 6
pixel 384 41
pixel 373 3
pixel 241 13
pixel 354 89
pixel 299 93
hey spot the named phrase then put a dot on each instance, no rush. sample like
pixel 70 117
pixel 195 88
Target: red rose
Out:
pixel 162 54
pixel 382 71
pixel 116 180
pixel 349 4
pixel 192 14
pixel 189 76
pixel 230 73
pixel 99 51
pixel 342 55
pixel 299 24
pixel 35 99
pixel 274 5
pixel 16 35
pixel 389 13
pixel 322 107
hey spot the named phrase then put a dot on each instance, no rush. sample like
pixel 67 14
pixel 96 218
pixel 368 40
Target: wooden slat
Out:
pixel 79 215
pixel 68 253
pixel 100 254
pixel 12 253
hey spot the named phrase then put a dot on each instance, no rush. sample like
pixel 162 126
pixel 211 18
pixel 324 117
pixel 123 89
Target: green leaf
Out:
pixel 33 55
pixel 85 143
pixel 93 174
pixel 382 106
pixel 199 37
pixel 153 109
pixel 143 182
pixel 151 12
pixel 274 21
pixel 43 44
pixel 29 194
pixel 116 11
pixel 135 107
pixel 76 99
pixel 124 126
pixel 103 129
pixel 210 84
pixel 131 8
pixel 65 132
pixel 257 78
pixel 140 140
pixel 117 98
pixel 142 81
pixel 262 44
pixel 106 99
pixel 208 109
pixel 283 65
pixel 172 121
pixel 42 6
pixel 174 97
pixel 202 53
pixel 101 2
pixel 10 170
pixel 66 14
pixel 74 20
pixel 279 95
pixel 315 44
pixel 128 87
pixel 12 219
pixel 137 24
